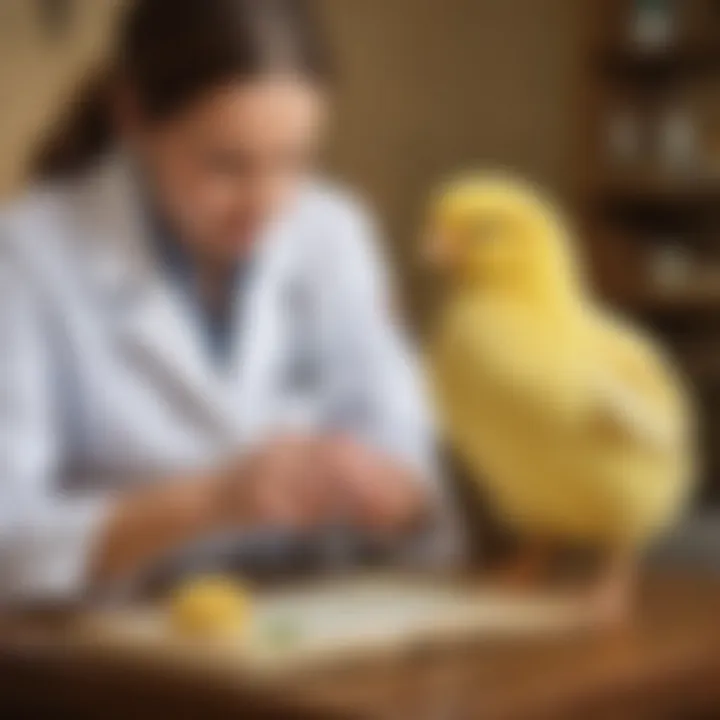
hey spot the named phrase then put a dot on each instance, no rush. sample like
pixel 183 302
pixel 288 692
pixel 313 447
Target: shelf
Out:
pixel 662 191
pixel 634 63
pixel 704 369
pixel 634 209
pixel 657 301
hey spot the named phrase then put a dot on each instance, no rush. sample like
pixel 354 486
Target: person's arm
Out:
pixel 54 544
pixel 277 485
pixel 142 525
pixel 46 538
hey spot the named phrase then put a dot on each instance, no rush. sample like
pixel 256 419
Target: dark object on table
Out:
pixel 263 556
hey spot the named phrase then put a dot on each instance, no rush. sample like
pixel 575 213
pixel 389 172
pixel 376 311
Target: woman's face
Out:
pixel 231 160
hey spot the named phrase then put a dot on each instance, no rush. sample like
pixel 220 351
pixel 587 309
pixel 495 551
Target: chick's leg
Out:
pixel 613 594
pixel 530 565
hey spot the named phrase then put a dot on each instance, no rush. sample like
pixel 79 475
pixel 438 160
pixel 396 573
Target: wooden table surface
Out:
pixel 666 665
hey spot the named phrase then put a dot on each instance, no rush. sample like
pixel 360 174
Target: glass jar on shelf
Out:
pixel 624 137
pixel 678 141
pixel 671 266
pixel 654 24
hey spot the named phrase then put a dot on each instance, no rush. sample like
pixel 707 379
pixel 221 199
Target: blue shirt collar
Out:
pixel 218 327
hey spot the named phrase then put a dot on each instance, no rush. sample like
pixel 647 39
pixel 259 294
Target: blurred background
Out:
pixel 613 105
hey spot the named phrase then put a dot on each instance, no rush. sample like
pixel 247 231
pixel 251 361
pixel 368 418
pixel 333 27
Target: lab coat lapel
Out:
pixel 259 339
pixel 155 329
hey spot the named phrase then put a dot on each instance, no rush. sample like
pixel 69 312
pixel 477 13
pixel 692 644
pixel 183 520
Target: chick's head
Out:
pixel 499 232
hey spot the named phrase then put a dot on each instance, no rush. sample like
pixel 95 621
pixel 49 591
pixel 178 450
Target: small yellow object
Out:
pixel 211 607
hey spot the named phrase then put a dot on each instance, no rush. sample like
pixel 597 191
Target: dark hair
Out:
pixel 172 51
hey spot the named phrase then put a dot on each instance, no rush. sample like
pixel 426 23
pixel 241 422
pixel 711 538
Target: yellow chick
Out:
pixel 574 422
pixel 210 607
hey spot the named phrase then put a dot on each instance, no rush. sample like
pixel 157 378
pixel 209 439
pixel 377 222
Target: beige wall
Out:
pixel 433 86
pixel 37 73
pixel 427 87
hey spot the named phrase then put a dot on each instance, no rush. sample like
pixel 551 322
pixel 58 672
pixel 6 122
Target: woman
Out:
pixel 195 332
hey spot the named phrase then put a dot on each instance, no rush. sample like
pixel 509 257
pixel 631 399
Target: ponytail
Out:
pixel 83 135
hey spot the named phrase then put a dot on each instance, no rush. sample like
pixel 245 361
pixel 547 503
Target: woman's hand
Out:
pixel 292 482
pixel 281 485
pixel 378 493
pixel 146 523
pixel 284 483
pixel 306 482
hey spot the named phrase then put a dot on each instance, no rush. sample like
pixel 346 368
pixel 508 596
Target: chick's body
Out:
pixel 573 421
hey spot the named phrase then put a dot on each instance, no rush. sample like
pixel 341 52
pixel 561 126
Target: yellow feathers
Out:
pixel 573 421
pixel 496 231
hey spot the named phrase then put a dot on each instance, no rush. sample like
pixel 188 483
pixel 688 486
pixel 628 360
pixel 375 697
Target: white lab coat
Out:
pixel 105 382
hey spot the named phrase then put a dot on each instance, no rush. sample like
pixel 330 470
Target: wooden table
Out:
pixel 665 666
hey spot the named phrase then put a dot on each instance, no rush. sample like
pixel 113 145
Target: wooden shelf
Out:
pixel 705 367
pixel 662 190
pixel 635 209
pixel 669 301
pixel 634 63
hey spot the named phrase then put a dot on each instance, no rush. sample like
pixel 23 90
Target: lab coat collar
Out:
pixel 155 327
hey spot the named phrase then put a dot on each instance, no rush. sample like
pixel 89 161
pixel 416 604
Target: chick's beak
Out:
pixel 436 252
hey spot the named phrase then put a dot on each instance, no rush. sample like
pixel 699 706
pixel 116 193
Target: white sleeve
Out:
pixel 378 387
pixel 45 538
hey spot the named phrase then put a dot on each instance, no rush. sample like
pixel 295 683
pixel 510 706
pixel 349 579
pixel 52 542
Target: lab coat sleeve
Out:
pixel 45 538
pixel 379 389
pixel 377 386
